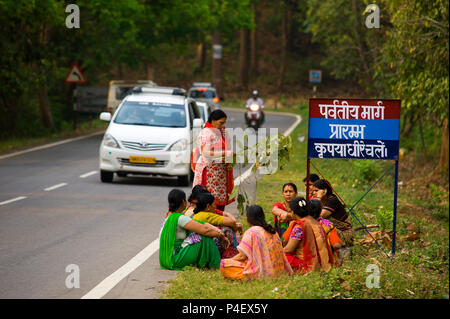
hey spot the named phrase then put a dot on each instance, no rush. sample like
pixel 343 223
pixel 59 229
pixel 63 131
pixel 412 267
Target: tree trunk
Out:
pixel 120 68
pixel 443 159
pixel 69 101
pixel 217 66
pixel 201 57
pixel 10 116
pixel 244 59
pixel 42 93
pixel 361 49
pixel 410 122
pixel 149 71
pixel 422 138
pixel 254 42
pixel 44 106
pixel 284 39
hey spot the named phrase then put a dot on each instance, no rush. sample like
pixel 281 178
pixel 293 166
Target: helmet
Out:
pixel 255 92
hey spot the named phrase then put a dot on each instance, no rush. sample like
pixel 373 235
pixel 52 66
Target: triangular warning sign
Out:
pixel 75 75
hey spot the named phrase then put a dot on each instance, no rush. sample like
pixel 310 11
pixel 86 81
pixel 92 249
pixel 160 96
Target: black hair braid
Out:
pixel 268 228
pixel 255 216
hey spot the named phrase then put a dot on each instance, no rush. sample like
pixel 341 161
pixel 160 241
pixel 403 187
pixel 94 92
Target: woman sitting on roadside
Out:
pixel 205 212
pixel 199 189
pixel 281 211
pixel 315 208
pixel 184 241
pixel 334 211
pixel 260 251
pixel 307 247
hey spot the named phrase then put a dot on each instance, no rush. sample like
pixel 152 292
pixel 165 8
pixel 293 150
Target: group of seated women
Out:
pixel 305 237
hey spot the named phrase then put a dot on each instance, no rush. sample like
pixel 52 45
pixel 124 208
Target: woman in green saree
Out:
pixel 184 241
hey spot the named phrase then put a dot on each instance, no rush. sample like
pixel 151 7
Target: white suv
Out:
pixel 150 134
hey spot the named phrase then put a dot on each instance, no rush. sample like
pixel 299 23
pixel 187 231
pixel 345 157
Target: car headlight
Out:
pixel 110 141
pixel 179 145
pixel 254 107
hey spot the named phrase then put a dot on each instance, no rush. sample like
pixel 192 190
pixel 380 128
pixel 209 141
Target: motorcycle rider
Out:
pixel 255 99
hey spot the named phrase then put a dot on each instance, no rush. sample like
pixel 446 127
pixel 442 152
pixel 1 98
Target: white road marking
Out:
pixel 88 174
pixel 12 200
pixel 54 187
pixel 112 280
pixel 50 145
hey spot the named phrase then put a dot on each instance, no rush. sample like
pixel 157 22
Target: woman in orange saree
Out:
pixel 307 247
pixel 260 251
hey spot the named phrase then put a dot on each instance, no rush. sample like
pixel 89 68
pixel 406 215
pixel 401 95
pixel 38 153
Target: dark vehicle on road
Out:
pixel 205 92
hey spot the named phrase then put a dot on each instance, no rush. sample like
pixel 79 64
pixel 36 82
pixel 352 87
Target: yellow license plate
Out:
pixel 142 159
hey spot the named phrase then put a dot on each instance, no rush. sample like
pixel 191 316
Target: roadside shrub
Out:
pixel 365 171
pixel 384 218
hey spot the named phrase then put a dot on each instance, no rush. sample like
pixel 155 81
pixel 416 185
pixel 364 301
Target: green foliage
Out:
pixel 365 171
pixel 266 159
pixel 38 49
pixel 439 203
pixel 416 56
pixel 350 50
pixel 406 58
pixel 384 218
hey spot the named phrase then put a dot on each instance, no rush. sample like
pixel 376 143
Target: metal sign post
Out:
pixel 394 221
pixel 315 76
pixel 355 129
pixel 75 76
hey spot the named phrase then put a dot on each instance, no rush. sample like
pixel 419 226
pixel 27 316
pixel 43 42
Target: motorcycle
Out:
pixel 254 116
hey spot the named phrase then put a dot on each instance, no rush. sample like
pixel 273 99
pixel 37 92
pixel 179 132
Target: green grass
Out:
pixel 17 143
pixel 420 268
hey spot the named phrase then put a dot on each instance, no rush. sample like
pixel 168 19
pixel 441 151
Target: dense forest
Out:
pixel 269 45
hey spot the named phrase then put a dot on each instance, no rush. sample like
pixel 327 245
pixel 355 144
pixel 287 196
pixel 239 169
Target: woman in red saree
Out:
pixel 307 247
pixel 212 169
pixel 282 213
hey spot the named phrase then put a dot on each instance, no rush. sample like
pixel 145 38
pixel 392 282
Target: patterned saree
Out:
pixel 265 257
pixel 214 173
pixel 313 251
pixel 196 250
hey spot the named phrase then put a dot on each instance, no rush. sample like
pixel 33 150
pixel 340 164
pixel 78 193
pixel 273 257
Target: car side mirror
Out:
pixel 197 123
pixel 105 116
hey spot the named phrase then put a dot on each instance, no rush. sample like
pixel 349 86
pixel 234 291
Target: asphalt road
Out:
pixel 58 222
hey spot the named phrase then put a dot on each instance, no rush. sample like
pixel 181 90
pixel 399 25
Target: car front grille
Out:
pixel 146 147
pixel 126 161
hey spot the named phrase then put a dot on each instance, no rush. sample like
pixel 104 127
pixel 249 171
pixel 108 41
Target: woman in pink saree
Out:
pixel 260 251
pixel 211 168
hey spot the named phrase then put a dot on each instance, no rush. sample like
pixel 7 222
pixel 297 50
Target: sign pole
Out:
pixel 75 112
pixel 307 179
pixel 394 226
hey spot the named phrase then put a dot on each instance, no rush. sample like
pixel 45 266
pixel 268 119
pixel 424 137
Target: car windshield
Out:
pixel 203 93
pixel 151 114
